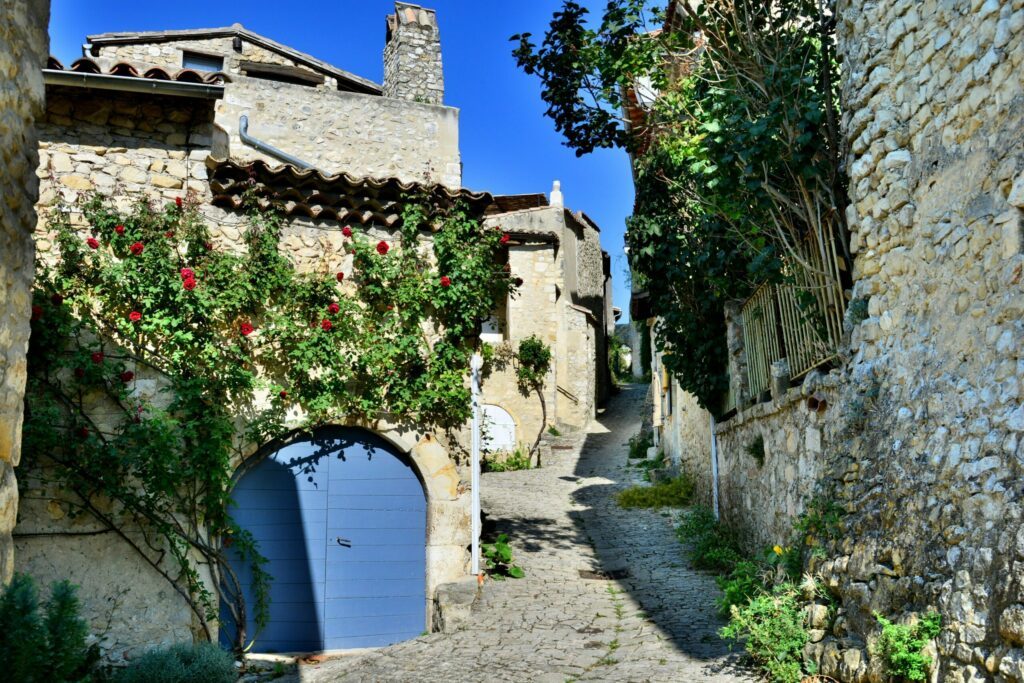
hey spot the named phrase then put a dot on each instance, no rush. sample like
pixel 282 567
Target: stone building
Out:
pixel 164 114
pixel 23 45
pixel 915 432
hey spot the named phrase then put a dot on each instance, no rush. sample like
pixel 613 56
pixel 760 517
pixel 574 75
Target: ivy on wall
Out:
pixel 734 132
pixel 157 361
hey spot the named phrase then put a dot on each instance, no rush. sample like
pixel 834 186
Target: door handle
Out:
pixel 344 542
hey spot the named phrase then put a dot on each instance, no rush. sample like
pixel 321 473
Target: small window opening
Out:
pixel 201 62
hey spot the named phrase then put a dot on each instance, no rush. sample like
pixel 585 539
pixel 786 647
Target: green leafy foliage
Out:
pixel 44 644
pixel 181 663
pixel 677 492
pixel 771 628
pixel 737 156
pixel 639 444
pixel 534 358
pixel 142 320
pixel 712 545
pixel 742 583
pixel 517 460
pixel 901 646
pixel 498 556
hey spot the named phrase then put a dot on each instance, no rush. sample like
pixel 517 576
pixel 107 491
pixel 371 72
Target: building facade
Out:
pixel 205 112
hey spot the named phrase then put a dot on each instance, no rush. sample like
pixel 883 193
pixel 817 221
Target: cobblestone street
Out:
pixel 657 623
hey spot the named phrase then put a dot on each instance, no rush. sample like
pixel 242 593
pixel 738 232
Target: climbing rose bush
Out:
pixel 228 334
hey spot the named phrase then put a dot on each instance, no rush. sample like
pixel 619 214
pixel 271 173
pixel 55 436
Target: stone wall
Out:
pixel 412 56
pixel 931 478
pixel 362 135
pixel 23 47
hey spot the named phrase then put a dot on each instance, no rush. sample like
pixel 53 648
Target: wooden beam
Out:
pixel 279 72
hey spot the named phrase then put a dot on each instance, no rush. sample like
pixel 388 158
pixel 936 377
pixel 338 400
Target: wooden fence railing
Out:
pixel 805 314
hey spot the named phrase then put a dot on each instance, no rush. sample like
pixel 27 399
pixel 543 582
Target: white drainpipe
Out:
pixel 714 469
pixel 476 364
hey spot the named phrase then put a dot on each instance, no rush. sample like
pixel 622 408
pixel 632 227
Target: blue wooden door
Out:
pixel 341 517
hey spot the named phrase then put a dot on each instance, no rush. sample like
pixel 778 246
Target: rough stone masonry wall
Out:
pixel 363 135
pixel 23 47
pixel 412 57
pixel 929 471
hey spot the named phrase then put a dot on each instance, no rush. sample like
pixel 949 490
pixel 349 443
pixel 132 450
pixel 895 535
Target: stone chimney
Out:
pixel 412 55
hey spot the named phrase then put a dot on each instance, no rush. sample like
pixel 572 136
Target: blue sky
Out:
pixel 508 145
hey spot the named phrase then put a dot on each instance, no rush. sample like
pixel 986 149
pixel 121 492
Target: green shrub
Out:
pixel 676 492
pixel 49 647
pixel 181 663
pixel 771 628
pixel 498 556
pixel 739 586
pixel 639 444
pixel 901 647
pixel 713 545
pixel 512 462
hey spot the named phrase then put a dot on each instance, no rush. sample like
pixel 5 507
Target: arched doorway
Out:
pixel 341 518
pixel 499 429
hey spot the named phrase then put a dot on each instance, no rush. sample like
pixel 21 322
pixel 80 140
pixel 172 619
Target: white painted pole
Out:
pixel 476 365
pixel 714 468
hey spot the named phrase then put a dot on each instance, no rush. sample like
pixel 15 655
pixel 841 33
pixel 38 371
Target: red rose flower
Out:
pixel 519 282
pixel 189 284
pixel 169 234
pixel 446 281
pixel 97 357
pixel 187 274
pixel 83 432
pixel 346 231
pixel 93 243
pixel 340 276
pixel 247 329
pixel 37 312
pixel 326 325
pixel 333 307
pixel 137 248
pixel 504 238
pixel 57 299
pixel 135 316
pixel 390 307
pixel 79 373
pixel 382 247
pixel 119 229
pixel 177 202
pixel 208 246
pixel 283 394
pixel 127 376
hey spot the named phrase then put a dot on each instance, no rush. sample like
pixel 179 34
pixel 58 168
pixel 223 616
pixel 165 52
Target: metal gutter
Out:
pixel 203 91
pixel 243 132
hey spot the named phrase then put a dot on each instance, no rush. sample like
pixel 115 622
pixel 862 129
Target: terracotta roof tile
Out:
pixel 341 197
pixel 109 67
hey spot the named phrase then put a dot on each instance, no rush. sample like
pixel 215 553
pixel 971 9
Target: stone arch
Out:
pixel 449 532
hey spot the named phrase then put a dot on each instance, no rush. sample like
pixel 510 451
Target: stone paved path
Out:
pixel 657 624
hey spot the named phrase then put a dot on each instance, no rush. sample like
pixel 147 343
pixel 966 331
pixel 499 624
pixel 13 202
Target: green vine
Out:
pixel 736 151
pixel 150 345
